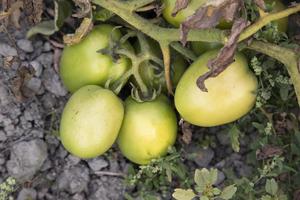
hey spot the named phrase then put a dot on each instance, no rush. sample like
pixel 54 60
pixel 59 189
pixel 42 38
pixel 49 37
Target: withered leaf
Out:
pixel 187 132
pixel 85 8
pixel 33 10
pixel 84 28
pixel 180 5
pixel 209 16
pixel 13 13
pixel 24 74
pixel 225 56
pixel 261 4
pixel 268 151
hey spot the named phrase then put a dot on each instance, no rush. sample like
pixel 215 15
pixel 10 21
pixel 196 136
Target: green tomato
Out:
pixel 91 121
pixel 82 65
pixel 181 15
pixel 148 129
pixel 201 47
pixel 230 95
pixel 282 23
pixel 156 78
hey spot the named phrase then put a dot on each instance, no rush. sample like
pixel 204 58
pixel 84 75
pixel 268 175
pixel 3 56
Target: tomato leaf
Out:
pixel 180 5
pixel 85 8
pixel 63 10
pixel 225 56
pixel 103 15
pixel 234 138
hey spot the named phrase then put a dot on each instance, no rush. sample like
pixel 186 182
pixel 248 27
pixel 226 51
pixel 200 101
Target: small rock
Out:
pixel 26 194
pixel 201 156
pixel 72 160
pixel 221 178
pixel 46 165
pixel 3 137
pixel 52 83
pixel 6 50
pixel 74 180
pixel 223 138
pixel 97 164
pixel 47 47
pixel 78 197
pixel 26 158
pixel 111 188
pixel 32 86
pixel 46 59
pixel 38 68
pixel 25 45
pixel 48 101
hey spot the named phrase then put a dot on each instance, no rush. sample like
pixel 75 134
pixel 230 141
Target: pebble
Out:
pixel 97 164
pixel 25 45
pixel 201 156
pixel 7 50
pixel 26 158
pixel 38 68
pixel 3 136
pixel 221 178
pixel 47 47
pixel 52 82
pixel 74 180
pixel 33 85
pixel 26 194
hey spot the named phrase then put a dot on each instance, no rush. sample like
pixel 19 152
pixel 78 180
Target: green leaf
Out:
pixel 62 10
pixel 103 15
pixel 204 198
pixel 266 197
pixel 213 174
pixel 228 192
pixel 271 187
pixel 234 138
pixel 181 194
pixel 202 178
pixel 216 191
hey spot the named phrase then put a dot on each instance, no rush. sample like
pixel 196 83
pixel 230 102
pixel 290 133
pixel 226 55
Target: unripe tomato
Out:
pixel 148 129
pixel 230 95
pixel 91 121
pixel 82 65
pixel 282 23
pixel 201 47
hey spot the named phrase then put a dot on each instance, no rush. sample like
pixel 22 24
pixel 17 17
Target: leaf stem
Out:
pixel 167 64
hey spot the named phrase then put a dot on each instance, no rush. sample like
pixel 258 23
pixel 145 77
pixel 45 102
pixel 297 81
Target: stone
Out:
pixel 26 194
pixel 25 45
pixel 3 136
pixel 221 178
pixel 38 68
pixel 33 85
pixel 52 82
pixel 201 156
pixel 26 158
pixel 72 160
pixel 47 47
pixel 7 50
pixel 112 188
pixel 223 138
pixel 74 180
pixel 46 59
pixel 97 164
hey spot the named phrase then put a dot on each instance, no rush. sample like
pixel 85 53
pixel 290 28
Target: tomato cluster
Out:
pixel 95 117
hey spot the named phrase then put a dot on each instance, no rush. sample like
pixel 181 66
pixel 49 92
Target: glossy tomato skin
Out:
pixel 201 47
pixel 148 129
pixel 82 65
pixel 91 121
pixel 230 95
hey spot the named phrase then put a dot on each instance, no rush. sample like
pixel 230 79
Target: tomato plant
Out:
pixel 91 121
pixel 81 64
pixel 230 95
pixel 277 5
pixel 148 129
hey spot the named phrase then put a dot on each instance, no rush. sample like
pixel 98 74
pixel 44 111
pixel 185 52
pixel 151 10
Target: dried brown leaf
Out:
pixel 85 8
pixel 210 15
pixel 84 28
pixel 268 151
pixel 33 10
pixel 186 129
pixel 225 56
pixel 13 12
pixel 180 5
pixel 19 89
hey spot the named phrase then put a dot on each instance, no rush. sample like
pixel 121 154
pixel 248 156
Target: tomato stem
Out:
pixel 167 64
pixel 184 51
